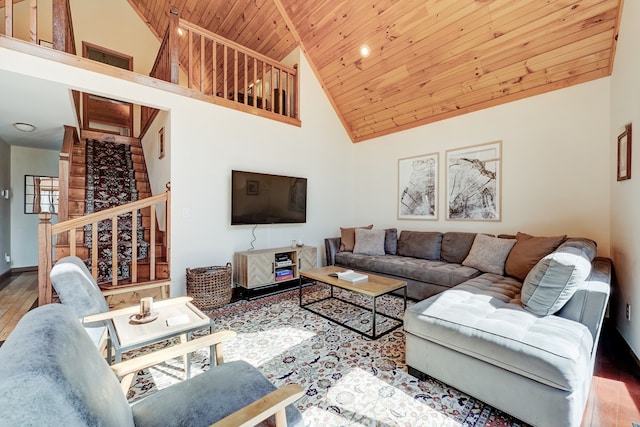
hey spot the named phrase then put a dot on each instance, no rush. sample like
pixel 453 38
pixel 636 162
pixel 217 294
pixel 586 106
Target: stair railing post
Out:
pixel 174 59
pixel 167 227
pixel 44 258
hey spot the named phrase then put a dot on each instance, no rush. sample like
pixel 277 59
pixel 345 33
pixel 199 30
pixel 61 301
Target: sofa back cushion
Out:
pixel 527 251
pixel 556 277
pixel 420 244
pixel 52 374
pixel 456 246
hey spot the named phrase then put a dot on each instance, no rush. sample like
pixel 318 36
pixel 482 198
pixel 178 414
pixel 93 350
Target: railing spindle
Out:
pixel 134 246
pixel 114 250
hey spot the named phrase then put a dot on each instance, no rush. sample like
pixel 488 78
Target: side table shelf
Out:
pixel 269 267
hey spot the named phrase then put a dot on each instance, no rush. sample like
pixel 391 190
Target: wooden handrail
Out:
pixel 69 229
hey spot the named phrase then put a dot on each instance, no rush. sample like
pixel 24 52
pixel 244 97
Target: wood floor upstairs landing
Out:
pixel 614 400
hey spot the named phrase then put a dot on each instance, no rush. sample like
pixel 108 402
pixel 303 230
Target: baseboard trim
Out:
pixel 24 269
pixel 5 275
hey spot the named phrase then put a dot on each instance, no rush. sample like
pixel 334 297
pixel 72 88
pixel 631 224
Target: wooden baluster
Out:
pixel 235 75
pixel 72 242
pixel 152 238
pixel 94 250
pixel 272 89
pixel 214 68
pixel 225 91
pixel 202 68
pixel 8 18
pixel 255 80
pixel 246 84
pixel 134 246
pixel 190 61
pixel 114 250
pixel 44 257
pixel 263 93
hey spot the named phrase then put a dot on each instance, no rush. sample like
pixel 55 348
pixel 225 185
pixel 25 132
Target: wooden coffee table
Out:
pixel 126 334
pixel 374 287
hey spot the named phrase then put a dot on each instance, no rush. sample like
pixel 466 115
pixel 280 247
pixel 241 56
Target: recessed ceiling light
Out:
pixel 365 51
pixel 24 127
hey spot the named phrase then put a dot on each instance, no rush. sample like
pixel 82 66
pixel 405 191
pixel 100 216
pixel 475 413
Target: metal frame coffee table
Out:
pixel 374 287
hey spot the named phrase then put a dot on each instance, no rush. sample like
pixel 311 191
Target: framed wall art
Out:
pixel 161 147
pixel 418 187
pixel 624 154
pixel 473 183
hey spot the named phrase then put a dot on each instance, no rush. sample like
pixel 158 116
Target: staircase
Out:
pixel 77 209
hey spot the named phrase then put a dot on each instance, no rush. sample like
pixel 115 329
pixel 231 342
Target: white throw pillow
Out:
pixel 489 254
pixel 369 242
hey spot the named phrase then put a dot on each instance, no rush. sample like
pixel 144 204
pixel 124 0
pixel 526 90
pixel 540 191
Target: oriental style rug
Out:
pixel 110 182
pixel 349 380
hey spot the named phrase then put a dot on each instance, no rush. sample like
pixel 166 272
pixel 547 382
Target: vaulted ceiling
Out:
pixel 429 60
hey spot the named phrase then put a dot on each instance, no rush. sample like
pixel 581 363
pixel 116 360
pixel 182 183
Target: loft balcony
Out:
pixel 219 70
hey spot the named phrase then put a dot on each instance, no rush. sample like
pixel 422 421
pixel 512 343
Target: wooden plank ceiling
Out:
pixel 430 59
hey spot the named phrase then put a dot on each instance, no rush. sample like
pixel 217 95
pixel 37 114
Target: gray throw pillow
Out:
pixel 391 241
pixel 489 254
pixel 554 280
pixel 369 242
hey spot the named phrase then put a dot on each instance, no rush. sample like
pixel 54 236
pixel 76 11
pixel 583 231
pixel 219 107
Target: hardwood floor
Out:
pixel 18 294
pixel 614 399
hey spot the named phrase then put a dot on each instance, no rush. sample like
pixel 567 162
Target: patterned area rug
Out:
pixel 110 181
pixel 349 380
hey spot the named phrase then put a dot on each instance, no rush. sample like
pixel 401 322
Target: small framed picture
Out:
pixel 624 154
pixel 161 143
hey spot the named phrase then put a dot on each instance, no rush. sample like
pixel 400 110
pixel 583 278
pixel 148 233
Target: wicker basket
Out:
pixel 210 287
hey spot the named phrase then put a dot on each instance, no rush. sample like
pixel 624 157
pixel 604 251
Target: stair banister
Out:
pixel 47 232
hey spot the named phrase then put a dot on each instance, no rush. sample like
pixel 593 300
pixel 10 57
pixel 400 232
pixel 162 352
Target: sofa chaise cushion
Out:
pixel 483 318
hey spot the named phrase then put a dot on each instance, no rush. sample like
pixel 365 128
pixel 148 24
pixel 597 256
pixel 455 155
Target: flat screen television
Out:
pixel 258 198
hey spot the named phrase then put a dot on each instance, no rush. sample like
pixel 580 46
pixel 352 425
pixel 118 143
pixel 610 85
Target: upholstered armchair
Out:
pixel 51 373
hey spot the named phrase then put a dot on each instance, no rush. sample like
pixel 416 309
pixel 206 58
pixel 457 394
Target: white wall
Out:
pixel 625 203
pixel 27 161
pixel 555 167
pixel 208 141
pixel 158 169
pixel 5 212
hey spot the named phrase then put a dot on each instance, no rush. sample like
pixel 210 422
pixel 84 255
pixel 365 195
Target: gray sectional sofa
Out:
pixel 521 337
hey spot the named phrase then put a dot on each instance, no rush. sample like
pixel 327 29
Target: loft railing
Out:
pixel 62 26
pixel 49 233
pixel 221 68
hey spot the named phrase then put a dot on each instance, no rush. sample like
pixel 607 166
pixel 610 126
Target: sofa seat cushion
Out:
pixel 423 270
pixel 483 318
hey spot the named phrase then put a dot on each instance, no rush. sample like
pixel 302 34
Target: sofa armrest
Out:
pixel 331 248
pixel 141 362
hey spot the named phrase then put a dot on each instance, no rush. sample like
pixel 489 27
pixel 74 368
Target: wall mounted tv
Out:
pixel 258 198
